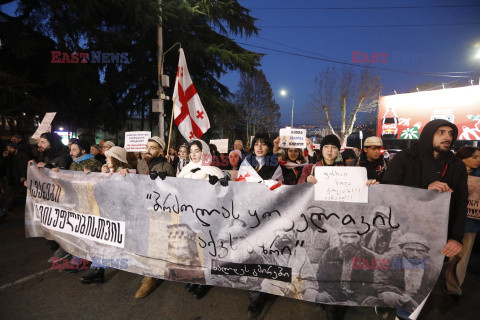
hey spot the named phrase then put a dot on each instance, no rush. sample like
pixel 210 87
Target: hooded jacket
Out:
pixel 57 156
pixel 416 167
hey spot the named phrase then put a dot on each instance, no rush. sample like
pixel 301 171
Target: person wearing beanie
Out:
pixel 330 156
pixel 155 165
pixel 234 159
pixel 53 153
pixel 82 160
pixel 372 158
pixel 431 165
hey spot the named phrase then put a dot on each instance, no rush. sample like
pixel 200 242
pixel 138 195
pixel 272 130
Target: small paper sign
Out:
pixel 45 125
pixel 136 141
pixel 342 184
pixel 222 145
pixel 293 138
pixel 316 146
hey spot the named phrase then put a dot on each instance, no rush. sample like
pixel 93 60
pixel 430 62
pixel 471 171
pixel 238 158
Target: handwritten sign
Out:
pixel 316 146
pixel 343 184
pixel 135 141
pixel 222 145
pixel 293 138
pixel 45 125
pixel 473 209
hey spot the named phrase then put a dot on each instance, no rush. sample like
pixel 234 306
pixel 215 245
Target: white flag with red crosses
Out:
pixel 189 114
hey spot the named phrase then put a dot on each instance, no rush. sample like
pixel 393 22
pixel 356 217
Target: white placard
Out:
pixel 316 146
pixel 46 122
pixel 136 141
pixel 222 145
pixel 293 138
pixel 343 184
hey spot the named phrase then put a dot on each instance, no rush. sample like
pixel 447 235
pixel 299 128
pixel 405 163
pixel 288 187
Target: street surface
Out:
pixel 30 289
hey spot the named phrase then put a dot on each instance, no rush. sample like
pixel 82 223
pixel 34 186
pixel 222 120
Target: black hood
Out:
pixel 56 145
pixel 426 137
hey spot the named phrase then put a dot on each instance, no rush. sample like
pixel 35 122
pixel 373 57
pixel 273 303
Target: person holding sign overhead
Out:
pixel 293 161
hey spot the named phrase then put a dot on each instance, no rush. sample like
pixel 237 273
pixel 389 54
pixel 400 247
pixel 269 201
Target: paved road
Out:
pixel 29 289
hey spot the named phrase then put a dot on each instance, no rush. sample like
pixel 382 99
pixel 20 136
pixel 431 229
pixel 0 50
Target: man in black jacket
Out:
pixel 54 154
pixel 431 165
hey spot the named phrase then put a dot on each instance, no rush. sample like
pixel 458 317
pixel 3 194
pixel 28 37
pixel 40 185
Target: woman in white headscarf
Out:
pixel 200 168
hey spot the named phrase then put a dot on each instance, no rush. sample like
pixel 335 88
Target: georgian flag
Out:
pixel 248 174
pixel 189 114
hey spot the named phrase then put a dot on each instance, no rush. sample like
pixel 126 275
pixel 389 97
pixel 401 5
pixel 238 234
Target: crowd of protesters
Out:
pixel 429 165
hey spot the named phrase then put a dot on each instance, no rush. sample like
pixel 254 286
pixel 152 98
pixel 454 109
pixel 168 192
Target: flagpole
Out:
pixel 173 104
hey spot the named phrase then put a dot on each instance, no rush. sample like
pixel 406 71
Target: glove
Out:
pixel 212 179
pixel 162 175
pixel 224 182
pixel 153 175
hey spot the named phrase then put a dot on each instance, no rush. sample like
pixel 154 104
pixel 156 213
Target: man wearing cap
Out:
pixel 409 277
pixel 82 160
pixel 372 159
pixel 155 165
pixel 431 165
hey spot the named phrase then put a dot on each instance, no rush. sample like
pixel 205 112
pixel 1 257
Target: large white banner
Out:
pixel 384 252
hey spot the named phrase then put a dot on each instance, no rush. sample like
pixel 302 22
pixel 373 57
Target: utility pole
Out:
pixel 161 115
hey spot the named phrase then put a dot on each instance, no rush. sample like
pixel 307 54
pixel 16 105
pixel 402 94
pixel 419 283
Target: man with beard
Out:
pixel 15 163
pixel 409 277
pixel 155 165
pixel 338 280
pixel 53 153
pixel 372 159
pixel 82 160
pixel 431 165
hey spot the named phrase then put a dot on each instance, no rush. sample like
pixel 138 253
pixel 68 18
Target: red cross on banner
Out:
pixel 189 114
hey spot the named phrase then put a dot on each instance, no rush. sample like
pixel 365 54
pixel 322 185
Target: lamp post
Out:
pixel 284 93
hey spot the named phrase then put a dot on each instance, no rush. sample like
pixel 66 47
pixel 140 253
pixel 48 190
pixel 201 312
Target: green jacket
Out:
pixel 91 164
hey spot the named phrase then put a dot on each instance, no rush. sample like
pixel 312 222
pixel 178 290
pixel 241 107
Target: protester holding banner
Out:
pixel 293 160
pixel 457 265
pixel 330 150
pixel 155 165
pixel 54 154
pixel 116 160
pixel 182 158
pixel 83 161
pixel 431 165
pixel 200 168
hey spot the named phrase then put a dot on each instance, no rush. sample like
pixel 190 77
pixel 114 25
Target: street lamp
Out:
pixel 284 93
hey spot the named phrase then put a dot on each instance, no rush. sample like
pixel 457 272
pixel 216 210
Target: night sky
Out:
pixel 441 40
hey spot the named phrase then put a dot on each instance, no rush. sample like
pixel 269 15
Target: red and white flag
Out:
pixel 189 114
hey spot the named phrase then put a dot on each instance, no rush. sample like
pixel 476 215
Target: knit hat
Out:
pixel 330 139
pixel 13 145
pixel 109 144
pixel 373 141
pixel 118 153
pixel 158 140
pixel 237 152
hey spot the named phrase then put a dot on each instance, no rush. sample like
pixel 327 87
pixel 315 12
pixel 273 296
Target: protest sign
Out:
pixel 246 236
pixel 222 145
pixel 316 146
pixel 473 210
pixel 136 141
pixel 346 184
pixel 45 125
pixel 293 138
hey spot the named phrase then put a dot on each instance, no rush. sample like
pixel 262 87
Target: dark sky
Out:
pixel 435 48
pixel 443 45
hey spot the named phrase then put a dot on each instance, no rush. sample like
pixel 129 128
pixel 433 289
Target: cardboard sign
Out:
pixel 222 145
pixel 135 141
pixel 45 125
pixel 293 138
pixel 343 184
